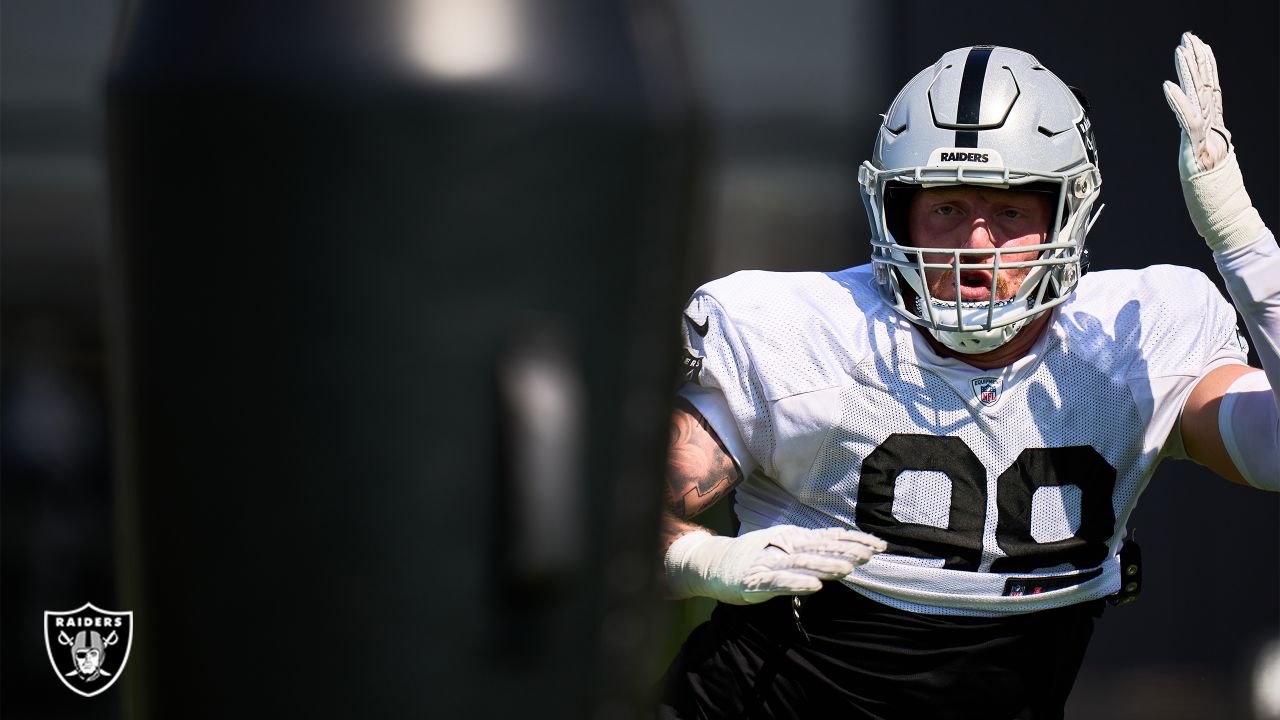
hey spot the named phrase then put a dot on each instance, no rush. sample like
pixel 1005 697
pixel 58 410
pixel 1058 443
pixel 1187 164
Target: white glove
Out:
pixel 1211 181
pixel 752 568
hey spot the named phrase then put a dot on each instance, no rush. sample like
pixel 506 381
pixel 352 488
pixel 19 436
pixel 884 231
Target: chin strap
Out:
pixel 971 342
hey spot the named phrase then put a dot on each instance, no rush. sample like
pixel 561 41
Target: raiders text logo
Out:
pixel 964 157
pixel 88 646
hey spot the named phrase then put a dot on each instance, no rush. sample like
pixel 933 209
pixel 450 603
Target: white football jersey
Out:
pixel 998 491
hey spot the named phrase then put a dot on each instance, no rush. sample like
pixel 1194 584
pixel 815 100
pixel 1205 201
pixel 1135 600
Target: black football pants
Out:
pixel 859 659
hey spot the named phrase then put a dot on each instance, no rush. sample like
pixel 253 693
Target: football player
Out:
pixel 954 435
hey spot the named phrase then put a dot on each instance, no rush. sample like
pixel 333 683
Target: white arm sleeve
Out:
pixel 715 410
pixel 1252 275
pixel 1249 412
pixel 1250 428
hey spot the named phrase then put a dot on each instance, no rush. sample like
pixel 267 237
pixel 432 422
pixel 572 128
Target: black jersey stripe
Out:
pixel 970 106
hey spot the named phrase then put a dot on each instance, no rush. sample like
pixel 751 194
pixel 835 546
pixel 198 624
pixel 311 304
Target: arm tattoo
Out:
pixel 699 471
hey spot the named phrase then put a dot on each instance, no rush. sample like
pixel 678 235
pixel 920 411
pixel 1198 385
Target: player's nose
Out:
pixel 980 236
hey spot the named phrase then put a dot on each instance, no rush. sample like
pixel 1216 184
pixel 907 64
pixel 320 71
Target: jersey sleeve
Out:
pixel 1195 334
pixel 721 382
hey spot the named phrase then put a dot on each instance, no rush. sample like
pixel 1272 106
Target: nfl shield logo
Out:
pixel 986 389
pixel 88 647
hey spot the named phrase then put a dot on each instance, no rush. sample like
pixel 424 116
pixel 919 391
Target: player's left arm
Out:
pixel 1231 421
pixel 1202 436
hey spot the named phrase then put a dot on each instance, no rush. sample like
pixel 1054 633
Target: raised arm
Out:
pixel 1231 422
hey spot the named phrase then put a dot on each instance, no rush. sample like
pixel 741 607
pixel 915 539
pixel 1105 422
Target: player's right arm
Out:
pixel 751 568
pixel 700 472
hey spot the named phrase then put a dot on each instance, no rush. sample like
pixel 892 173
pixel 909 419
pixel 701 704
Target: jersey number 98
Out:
pixel 959 544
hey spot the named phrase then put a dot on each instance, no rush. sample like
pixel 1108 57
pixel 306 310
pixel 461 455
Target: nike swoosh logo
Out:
pixel 700 329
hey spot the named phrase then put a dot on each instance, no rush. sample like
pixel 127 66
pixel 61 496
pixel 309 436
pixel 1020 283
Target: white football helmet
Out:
pixel 994 117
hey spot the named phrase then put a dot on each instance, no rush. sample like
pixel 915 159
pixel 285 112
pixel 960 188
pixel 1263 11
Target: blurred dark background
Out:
pixel 789 98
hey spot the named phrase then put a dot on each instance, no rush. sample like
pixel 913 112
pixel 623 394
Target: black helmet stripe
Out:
pixel 967 112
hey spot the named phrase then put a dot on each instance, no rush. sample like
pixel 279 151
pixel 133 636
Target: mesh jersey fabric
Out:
pixel 1000 491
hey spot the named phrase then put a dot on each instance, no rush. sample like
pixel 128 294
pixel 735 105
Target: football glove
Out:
pixel 1211 181
pixel 757 566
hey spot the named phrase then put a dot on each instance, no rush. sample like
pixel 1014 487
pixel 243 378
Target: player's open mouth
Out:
pixel 975 285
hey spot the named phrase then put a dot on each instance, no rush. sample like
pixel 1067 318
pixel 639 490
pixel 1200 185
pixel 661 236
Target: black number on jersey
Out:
pixel 959 544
